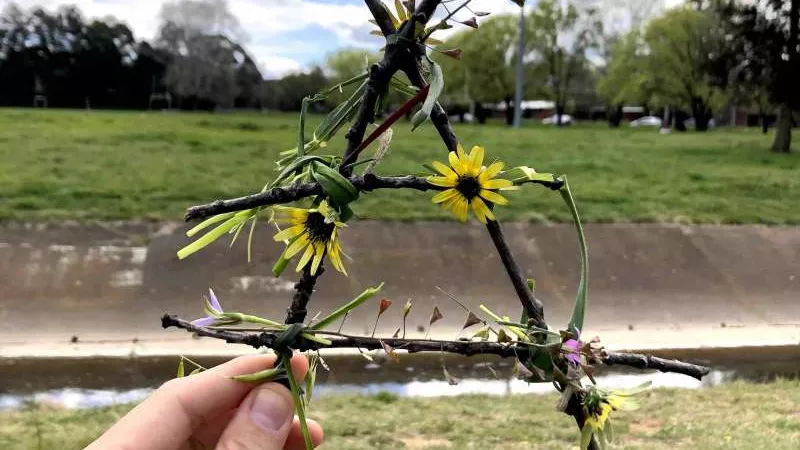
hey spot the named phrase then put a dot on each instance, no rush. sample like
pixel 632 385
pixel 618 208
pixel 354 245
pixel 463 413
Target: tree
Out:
pixel 765 34
pixel 559 40
pixel 202 37
pixel 485 71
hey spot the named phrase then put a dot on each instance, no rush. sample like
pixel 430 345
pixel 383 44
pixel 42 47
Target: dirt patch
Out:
pixel 420 442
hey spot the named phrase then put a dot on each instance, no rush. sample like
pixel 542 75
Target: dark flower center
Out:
pixel 469 187
pixel 318 229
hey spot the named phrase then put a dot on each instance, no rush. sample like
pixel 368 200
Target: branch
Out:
pixel 303 290
pixel 533 307
pixel 296 192
pixel 266 339
pixel 652 362
pixel 381 16
pixel 425 10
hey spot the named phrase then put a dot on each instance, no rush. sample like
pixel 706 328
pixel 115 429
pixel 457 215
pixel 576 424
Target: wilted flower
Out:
pixel 598 406
pixel 572 349
pixel 215 315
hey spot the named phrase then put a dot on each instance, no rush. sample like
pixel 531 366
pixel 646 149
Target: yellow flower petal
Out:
pixel 296 246
pixel 461 155
pixel 442 181
pixel 491 171
pixel 323 208
pixel 288 233
pixel 335 257
pixel 476 160
pixel 493 197
pixel 497 183
pixel 306 258
pixel 482 212
pixel 319 252
pixel 460 208
pixel 445 195
pixel 444 170
pixel 455 163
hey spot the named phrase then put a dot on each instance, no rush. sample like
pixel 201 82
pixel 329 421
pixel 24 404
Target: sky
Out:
pixel 281 35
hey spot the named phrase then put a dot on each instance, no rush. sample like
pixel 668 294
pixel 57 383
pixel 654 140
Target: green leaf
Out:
pixel 403 87
pixel 579 311
pixel 209 237
pixel 340 115
pixel 524 174
pixel 208 222
pixel 296 165
pixel 345 213
pixel 609 429
pixel 258 377
pixel 435 89
pixel 279 266
pixel 301 138
pixel 340 190
pixel 346 308
pixel 181 369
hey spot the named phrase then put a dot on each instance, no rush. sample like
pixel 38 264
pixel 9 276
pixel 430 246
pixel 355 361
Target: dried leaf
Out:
pixel 481 13
pixel 503 337
pixel 454 53
pixel 435 316
pixel 376 33
pixel 385 304
pixel 406 309
pixel 472 319
pixel 443 26
pixel 390 352
pixel 520 371
pixel 483 333
pixel 471 22
pixel 396 333
pixel 451 380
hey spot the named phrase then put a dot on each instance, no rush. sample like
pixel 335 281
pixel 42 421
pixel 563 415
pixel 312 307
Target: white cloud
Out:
pixel 265 21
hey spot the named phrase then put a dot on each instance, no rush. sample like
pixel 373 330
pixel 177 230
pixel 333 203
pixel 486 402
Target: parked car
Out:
pixel 566 119
pixel 689 123
pixel 647 121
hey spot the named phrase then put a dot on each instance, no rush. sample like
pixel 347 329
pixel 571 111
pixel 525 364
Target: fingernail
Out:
pixel 270 410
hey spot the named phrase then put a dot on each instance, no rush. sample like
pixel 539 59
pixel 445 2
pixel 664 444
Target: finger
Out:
pixel 208 434
pixel 295 440
pixel 262 422
pixel 169 416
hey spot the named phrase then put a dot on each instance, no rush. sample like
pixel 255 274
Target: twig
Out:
pixel 303 290
pixel 266 339
pixel 381 16
pixel 288 194
pixel 652 362
pixel 531 304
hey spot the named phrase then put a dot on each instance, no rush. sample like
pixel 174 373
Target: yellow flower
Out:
pixel 470 183
pixel 313 230
pixel 400 16
pixel 598 406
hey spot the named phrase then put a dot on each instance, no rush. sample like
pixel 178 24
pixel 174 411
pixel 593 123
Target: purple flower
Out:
pixel 213 310
pixel 572 348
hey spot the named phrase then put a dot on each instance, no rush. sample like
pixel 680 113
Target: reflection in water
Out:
pixel 92 382
pixel 89 398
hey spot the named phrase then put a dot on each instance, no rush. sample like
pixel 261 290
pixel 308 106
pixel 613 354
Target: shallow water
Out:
pixel 93 382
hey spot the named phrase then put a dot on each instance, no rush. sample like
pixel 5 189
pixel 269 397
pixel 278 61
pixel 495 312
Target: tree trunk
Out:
pixel 615 116
pixel 480 113
pixel 679 117
pixel 701 114
pixel 783 130
pixel 559 113
pixel 509 111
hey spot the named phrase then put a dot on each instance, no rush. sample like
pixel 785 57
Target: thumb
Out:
pixel 262 421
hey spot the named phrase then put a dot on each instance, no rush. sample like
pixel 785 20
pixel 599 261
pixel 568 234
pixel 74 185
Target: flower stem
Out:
pixel 298 401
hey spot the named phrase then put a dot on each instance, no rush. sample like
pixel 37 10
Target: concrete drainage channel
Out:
pixel 81 304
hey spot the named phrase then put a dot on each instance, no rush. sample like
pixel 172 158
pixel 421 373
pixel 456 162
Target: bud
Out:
pixel 390 352
pixel 435 316
pixel 406 309
pixel 451 380
pixel 471 22
pixel 454 53
pixel 472 319
pixel 385 304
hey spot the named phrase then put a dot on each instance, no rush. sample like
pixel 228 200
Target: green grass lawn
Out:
pixel 131 165
pixel 735 416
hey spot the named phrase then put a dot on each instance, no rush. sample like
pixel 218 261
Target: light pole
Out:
pixel 520 70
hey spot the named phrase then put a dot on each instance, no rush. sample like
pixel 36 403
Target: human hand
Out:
pixel 209 410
